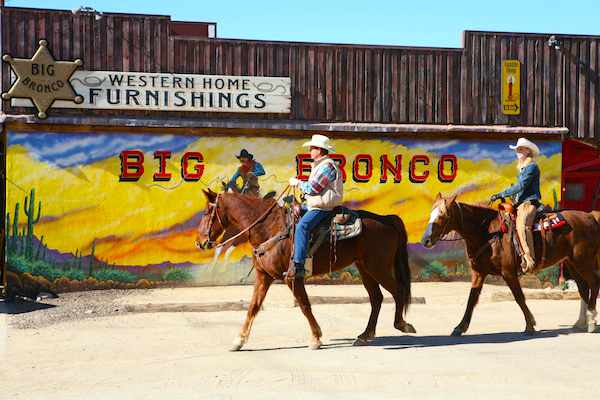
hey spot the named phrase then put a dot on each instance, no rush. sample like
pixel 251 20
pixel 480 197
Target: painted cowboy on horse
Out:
pixel 250 170
pixel 527 201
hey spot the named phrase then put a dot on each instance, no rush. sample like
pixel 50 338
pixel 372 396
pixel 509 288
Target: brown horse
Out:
pixel 577 244
pixel 233 231
pixel 379 253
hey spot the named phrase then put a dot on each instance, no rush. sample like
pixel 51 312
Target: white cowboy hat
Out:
pixel 320 141
pixel 522 142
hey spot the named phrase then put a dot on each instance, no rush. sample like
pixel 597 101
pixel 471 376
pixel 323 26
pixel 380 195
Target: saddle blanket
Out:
pixel 553 221
pixel 351 228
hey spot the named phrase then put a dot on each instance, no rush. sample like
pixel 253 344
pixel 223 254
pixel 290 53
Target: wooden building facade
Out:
pixel 335 83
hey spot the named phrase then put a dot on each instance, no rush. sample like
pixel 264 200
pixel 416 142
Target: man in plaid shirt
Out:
pixel 324 191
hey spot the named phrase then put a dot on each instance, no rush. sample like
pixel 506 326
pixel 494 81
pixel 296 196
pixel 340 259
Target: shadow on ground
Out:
pixel 19 306
pixel 403 342
pixel 407 342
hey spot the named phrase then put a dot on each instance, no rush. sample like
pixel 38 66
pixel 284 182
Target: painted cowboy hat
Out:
pixel 522 142
pixel 320 141
pixel 244 154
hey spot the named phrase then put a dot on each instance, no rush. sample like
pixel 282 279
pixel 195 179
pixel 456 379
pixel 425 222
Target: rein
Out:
pixel 495 237
pixel 249 227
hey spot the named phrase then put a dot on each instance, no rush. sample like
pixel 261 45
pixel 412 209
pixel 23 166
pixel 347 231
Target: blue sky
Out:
pixel 432 23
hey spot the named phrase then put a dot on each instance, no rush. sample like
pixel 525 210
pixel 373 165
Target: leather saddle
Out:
pixel 339 216
pixel 545 217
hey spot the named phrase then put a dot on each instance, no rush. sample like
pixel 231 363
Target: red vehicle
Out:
pixel 580 177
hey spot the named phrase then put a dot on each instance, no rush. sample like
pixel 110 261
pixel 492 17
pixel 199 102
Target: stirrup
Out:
pixel 295 272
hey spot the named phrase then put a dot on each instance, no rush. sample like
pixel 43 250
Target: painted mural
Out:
pixel 126 206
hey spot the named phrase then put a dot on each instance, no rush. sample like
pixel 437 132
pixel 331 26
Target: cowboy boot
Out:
pixel 297 271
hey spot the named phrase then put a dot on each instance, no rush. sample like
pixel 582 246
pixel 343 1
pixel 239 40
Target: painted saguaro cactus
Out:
pixel 31 220
pixel 91 267
pixel 15 232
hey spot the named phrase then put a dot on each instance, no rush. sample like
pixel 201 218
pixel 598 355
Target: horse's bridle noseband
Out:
pixel 213 213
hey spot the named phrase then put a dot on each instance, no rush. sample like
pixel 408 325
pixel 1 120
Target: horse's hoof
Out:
pixel 408 328
pixel 578 328
pixel 529 332
pixel 315 345
pixel 456 332
pixel 359 342
pixel 591 327
pixel 237 344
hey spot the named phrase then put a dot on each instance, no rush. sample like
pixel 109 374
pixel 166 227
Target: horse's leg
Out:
pixel 512 281
pixel 386 278
pixel 588 285
pixel 582 322
pixel 299 290
pixel 477 279
pixel 262 282
pixel 376 298
pixel 392 286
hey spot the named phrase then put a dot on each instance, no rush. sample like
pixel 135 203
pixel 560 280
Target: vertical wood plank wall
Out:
pixel 338 83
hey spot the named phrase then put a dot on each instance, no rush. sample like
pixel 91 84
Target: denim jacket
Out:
pixel 527 186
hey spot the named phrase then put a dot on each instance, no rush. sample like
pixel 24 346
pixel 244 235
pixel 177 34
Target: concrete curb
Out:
pixel 542 295
pixel 186 307
pixel 352 300
pixel 243 305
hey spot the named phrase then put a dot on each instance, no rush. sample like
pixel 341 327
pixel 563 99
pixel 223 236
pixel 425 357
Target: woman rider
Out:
pixel 528 196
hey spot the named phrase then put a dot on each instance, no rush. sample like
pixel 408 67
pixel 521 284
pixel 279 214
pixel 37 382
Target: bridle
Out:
pixel 214 206
pixel 495 236
pixel 448 216
pixel 214 211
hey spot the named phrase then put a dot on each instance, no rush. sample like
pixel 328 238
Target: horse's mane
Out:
pixel 257 204
pixel 252 200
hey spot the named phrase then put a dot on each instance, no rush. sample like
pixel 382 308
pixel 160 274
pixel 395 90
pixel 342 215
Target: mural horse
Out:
pixel 379 253
pixel 490 251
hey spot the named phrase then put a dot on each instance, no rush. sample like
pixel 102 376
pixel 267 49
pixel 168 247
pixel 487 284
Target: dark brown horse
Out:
pixel 577 244
pixel 379 253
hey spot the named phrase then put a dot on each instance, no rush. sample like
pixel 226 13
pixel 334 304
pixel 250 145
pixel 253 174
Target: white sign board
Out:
pixel 108 90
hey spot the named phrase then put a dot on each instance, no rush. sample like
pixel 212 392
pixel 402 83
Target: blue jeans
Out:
pixel 302 237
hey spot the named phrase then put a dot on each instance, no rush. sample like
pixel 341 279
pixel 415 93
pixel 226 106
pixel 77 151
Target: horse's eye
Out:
pixel 442 217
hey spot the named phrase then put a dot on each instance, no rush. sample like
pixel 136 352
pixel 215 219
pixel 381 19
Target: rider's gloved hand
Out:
pixel 294 181
pixel 494 197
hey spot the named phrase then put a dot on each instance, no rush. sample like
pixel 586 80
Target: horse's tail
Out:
pixel 596 215
pixel 401 267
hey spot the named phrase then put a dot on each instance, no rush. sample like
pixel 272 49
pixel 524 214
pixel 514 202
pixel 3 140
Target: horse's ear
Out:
pixel 451 200
pixel 438 197
pixel 210 195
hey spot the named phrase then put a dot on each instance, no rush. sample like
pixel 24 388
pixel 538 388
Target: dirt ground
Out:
pixel 95 350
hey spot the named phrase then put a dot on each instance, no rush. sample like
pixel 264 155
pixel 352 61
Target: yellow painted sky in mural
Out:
pixel 141 223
